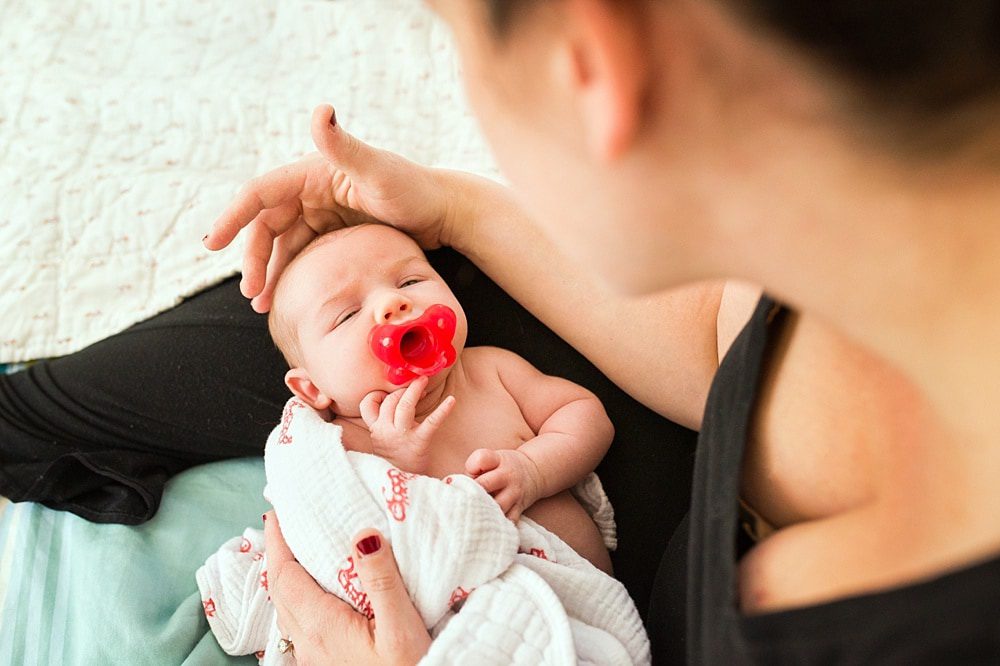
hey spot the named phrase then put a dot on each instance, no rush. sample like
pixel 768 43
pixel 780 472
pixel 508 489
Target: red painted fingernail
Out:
pixel 369 545
pixel 263 517
pixel 333 118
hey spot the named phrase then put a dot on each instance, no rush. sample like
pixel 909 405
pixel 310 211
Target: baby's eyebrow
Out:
pixel 406 260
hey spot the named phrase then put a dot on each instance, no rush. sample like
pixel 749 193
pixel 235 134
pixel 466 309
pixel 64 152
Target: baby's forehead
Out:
pixel 367 238
pixel 364 249
pixel 346 257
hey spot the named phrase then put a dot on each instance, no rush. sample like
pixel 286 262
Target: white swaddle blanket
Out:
pixel 490 591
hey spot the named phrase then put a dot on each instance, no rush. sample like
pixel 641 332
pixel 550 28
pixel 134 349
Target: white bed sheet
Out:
pixel 127 125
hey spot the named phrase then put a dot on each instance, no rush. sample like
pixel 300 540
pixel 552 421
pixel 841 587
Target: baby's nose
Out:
pixel 393 307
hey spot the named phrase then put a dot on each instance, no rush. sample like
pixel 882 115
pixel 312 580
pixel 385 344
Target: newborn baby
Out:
pixel 527 438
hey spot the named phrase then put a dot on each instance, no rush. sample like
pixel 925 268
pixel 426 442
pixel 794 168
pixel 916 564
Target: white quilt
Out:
pixel 127 125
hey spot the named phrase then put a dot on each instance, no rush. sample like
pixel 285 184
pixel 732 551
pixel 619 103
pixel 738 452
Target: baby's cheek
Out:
pixel 347 381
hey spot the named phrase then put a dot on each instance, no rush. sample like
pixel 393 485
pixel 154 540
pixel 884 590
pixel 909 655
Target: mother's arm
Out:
pixel 662 349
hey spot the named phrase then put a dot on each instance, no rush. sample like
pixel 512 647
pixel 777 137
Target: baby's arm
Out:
pixel 573 433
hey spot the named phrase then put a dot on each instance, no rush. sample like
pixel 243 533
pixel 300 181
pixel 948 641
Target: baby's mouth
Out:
pixel 419 348
pixel 416 347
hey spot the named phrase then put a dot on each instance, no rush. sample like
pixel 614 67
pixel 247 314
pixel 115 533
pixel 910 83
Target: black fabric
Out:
pixel 954 618
pixel 666 620
pixel 100 431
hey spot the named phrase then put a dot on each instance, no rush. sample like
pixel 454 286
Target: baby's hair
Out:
pixel 284 332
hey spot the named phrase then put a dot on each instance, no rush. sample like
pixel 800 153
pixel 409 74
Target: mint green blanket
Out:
pixel 73 592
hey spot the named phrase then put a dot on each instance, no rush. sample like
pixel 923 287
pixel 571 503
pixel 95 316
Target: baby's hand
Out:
pixel 511 477
pixel 395 433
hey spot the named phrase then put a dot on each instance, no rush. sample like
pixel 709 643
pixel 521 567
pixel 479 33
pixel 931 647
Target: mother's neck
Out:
pixel 904 260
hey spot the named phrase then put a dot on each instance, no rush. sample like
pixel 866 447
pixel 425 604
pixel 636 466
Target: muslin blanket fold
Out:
pixel 488 590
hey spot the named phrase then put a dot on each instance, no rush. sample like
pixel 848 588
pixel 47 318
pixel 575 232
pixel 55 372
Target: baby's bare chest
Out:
pixel 485 418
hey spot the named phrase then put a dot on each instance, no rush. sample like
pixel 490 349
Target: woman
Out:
pixel 841 155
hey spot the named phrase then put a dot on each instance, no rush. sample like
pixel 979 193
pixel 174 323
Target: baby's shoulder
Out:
pixel 490 359
pixel 490 365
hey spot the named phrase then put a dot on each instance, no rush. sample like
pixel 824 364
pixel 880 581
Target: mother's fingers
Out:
pixel 255 257
pixel 283 250
pixel 319 624
pixel 261 243
pixel 271 190
pixel 274 541
pixel 400 634
pixel 342 149
pixel 307 614
pixel 279 555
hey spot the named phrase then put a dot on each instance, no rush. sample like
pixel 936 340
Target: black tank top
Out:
pixel 954 618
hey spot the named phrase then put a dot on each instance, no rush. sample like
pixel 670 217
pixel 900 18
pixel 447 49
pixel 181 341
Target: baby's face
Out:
pixel 364 277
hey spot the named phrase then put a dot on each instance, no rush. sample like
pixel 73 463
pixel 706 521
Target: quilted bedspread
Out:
pixel 127 125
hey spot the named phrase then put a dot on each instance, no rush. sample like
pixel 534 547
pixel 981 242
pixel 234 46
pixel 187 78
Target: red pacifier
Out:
pixel 421 347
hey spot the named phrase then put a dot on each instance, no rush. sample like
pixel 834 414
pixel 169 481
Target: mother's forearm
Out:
pixel 661 349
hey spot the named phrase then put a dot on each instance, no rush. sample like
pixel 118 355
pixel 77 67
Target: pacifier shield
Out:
pixel 421 347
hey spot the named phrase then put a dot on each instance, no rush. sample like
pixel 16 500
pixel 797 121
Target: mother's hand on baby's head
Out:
pixel 325 630
pixel 346 183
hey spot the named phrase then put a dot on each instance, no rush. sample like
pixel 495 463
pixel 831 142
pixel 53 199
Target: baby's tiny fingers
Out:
pixel 387 410
pixel 408 403
pixel 369 407
pixel 481 460
pixel 506 498
pixel 434 420
pixel 492 481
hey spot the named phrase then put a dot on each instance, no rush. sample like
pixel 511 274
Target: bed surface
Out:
pixel 127 125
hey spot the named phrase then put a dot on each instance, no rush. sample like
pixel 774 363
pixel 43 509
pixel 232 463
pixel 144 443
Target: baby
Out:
pixel 525 437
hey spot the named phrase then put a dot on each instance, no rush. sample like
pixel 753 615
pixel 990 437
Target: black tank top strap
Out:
pixel 954 618
pixel 715 504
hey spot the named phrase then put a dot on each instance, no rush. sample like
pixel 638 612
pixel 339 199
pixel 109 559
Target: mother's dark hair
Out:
pixel 936 63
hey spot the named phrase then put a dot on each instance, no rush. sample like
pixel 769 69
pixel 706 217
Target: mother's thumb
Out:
pixel 340 147
pixel 376 566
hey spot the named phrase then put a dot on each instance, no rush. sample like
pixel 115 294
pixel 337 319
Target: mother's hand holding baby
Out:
pixel 325 630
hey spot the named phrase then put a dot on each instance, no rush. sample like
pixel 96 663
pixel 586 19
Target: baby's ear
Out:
pixel 298 382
